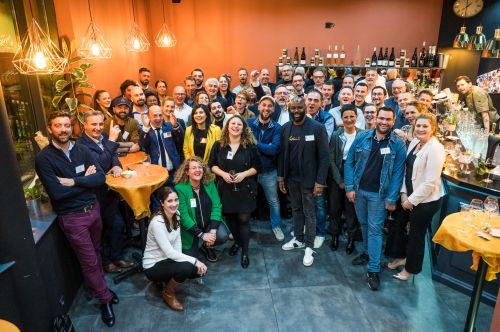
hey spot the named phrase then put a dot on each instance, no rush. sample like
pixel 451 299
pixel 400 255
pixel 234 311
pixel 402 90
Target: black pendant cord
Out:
pixel 90 11
pixel 163 12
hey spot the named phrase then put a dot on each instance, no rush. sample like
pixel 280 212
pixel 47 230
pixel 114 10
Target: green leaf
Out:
pixel 75 59
pixel 85 66
pixel 86 85
pixel 61 84
pixel 80 116
pixel 56 101
pixel 77 73
pixel 72 103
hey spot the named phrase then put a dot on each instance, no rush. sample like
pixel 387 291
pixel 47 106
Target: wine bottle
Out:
pixel 380 59
pixel 414 58
pixel 374 57
pixel 296 57
pixel 386 58
pixel 336 56
pixel 357 57
pixel 342 56
pixel 284 53
pixel 280 61
pixel 288 60
pixel 421 60
pixel 430 57
pixel 303 56
pixel 391 58
pixel 329 56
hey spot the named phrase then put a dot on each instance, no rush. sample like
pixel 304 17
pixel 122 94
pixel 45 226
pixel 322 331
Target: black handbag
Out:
pixel 63 323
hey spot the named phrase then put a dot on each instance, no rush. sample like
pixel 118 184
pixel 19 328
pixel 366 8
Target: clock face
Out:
pixel 467 8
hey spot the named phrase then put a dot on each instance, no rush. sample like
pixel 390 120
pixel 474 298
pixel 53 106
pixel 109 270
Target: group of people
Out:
pixel 343 149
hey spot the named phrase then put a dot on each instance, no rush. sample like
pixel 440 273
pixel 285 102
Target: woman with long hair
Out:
pixel 235 161
pixel 202 227
pixel 201 98
pixel 412 110
pixel 163 260
pixel 201 135
pixel 225 92
pixel 161 89
pixel 102 102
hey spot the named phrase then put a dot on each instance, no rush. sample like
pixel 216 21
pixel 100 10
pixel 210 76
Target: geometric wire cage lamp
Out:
pixel 461 39
pixel 492 49
pixel 136 40
pixel 165 38
pixel 37 54
pixel 93 44
pixel 478 40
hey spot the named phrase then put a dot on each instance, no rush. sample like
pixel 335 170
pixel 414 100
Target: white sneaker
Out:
pixel 318 241
pixel 308 257
pixel 293 244
pixel 278 233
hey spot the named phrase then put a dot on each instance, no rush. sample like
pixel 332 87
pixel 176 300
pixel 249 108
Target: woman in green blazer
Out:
pixel 200 208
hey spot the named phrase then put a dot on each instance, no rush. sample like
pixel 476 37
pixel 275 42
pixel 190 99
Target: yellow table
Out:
pixel 132 158
pixel 456 234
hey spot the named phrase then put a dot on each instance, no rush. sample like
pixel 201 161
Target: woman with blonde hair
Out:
pixel 235 161
pixel 202 226
pixel 201 135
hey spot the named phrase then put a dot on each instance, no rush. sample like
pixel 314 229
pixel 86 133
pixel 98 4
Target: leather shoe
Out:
pixel 111 268
pixel 245 261
pixel 114 298
pixel 234 250
pixel 107 314
pixel 349 249
pixel 209 253
pixel 123 263
pixel 334 244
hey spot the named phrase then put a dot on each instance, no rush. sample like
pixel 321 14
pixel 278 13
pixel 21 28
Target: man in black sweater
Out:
pixel 70 174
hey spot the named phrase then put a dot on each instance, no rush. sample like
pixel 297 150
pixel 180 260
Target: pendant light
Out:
pixel 492 49
pixel 165 38
pixel 461 39
pixel 37 54
pixel 478 40
pixel 93 44
pixel 136 40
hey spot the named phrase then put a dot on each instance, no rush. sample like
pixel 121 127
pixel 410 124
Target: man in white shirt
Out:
pixel 372 79
pixel 281 95
pixel 181 110
pixel 346 96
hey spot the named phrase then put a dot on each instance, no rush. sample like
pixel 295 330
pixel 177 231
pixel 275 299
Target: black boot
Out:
pixel 234 250
pixel 334 244
pixel 245 261
pixel 349 249
pixel 209 253
pixel 107 314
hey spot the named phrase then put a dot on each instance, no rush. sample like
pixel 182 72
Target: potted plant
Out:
pixel 35 194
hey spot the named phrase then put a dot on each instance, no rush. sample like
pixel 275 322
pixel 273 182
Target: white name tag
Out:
pixel 230 155
pixel 80 169
pixel 193 202
pixel 309 138
pixel 203 140
pixel 167 134
pixel 125 134
pixel 385 151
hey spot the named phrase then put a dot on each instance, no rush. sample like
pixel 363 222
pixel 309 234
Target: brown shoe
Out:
pixel 123 263
pixel 111 268
pixel 169 297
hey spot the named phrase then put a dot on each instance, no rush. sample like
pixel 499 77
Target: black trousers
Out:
pixel 239 224
pixel 338 203
pixel 420 219
pixel 167 269
pixel 397 237
pixel 221 237
pixel 113 227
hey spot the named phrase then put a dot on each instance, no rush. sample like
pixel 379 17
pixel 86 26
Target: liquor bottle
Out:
pixel 342 56
pixel 316 52
pixel 284 53
pixel 321 61
pixel 391 58
pixel 336 56
pixel 374 57
pixel 421 60
pixel 296 57
pixel 380 59
pixel 386 58
pixel 280 61
pixel 288 60
pixel 357 57
pixel 312 63
pixel 303 56
pixel 414 58
pixel 329 56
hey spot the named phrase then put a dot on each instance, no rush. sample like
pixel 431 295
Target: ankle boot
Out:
pixel 334 245
pixel 169 296
pixel 350 246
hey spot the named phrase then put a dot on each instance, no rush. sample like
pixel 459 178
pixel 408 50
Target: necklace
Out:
pixel 196 187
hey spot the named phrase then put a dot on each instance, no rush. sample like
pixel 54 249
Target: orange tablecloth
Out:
pixel 136 191
pixel 455 234
pixel 132 158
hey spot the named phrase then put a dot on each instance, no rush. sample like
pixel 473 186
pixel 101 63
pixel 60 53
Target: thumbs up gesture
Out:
pixel 114 131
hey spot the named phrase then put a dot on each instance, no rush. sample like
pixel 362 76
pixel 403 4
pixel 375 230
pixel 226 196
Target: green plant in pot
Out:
pixel 36 191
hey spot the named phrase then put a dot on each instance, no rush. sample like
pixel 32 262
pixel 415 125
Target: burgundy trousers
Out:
pixel 83 231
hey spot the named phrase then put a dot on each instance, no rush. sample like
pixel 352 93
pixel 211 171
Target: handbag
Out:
pixel 63 323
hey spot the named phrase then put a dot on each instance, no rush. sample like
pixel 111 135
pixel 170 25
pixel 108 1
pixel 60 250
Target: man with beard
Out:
pixel 319 76
pixel 424 97
pixel 328 91
pixel 103 149
pixel 217 111
pixel 302 169
pixel 265 80
pixel 267 135
pixel 373 174
pixel 477 100
pixel 128 138
pixel 298 85
pixel 243 77
pixel 378 96
pixel 190 87
pixel 360 93
pixel 139 109
pixel 181 110
pixel 286 75
pixel 281 95
pixel 70 175
pixel 346 96
pixel 144 79
pixel 198 77
pixel 126 89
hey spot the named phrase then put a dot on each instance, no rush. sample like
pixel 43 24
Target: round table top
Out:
pixel 132 158
pixel 7 326
pixel 147 176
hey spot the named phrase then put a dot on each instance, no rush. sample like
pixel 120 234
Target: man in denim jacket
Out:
pixel 373 175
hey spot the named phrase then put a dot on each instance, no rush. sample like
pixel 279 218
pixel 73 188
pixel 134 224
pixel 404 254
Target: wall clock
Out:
pixel 468 8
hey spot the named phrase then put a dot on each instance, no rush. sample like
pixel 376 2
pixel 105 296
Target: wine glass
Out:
pixel 146 164
pixel 476 205
pixel 490 164
pixel 233 175
pixel 491 206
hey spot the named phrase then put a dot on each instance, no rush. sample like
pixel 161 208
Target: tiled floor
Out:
pixel 277 293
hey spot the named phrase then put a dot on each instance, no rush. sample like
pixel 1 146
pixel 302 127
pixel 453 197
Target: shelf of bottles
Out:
pixel 426 58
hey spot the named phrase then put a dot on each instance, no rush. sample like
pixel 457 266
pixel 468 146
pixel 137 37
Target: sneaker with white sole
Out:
pixel 278 233
pixel 293 244
pixel 308 257
pixel 318 241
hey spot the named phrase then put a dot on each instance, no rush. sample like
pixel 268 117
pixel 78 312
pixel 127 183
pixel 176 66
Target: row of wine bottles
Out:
pixel 426 58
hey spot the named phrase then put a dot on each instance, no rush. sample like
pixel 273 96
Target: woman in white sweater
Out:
pixel 421 191
pixel 163 259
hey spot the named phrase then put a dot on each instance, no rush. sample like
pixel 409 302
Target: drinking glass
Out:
pixel 233 174
pixel 146 163
pixel 491 206
pixel 490 164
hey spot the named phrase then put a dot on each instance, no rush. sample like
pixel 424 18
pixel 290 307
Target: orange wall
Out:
pixel 221 35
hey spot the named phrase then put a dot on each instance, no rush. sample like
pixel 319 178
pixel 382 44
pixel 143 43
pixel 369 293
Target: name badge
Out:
pixel 167 134
pixel 230 155
pixel 309 138
pixel 385 151
pixel 125 134
pixel 193 202
pixel 203 140
pixel 80 169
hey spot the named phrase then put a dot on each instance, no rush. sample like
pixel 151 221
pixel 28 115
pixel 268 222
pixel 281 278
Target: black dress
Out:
pixel 243 200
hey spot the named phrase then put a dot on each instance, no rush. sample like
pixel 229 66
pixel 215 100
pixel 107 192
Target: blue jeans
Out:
pixel 269 184
pixel 370 209
pixel 321 214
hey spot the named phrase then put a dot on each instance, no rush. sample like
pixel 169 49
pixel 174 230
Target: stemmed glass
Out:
pixel 490 164
pixel 233 175
pixel 491 207
pixel 146 163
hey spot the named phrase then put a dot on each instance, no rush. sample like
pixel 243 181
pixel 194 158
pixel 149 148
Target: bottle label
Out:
pixel 302 62
pixel 342 56
pixel 335 56
pixel 328 55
